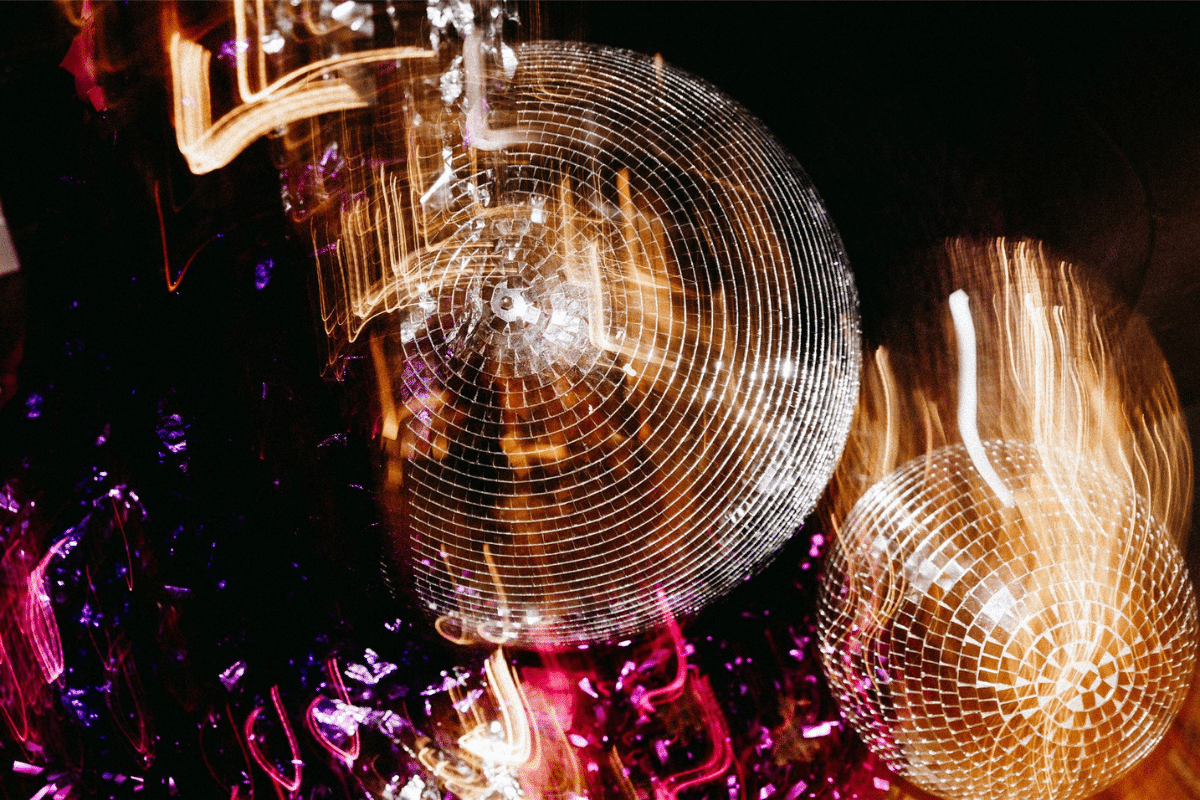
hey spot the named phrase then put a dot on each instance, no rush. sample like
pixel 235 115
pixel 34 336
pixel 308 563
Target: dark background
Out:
pixel 1075 124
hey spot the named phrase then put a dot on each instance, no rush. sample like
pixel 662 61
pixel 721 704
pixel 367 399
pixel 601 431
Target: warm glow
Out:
pixel 1006 610
pixel 266 105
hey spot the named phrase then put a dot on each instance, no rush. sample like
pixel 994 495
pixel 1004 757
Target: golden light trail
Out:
pixel 964 330
pixel 320 87
pixel 511 744
pixel 1061 364
pixel 1007 611
pixel 646 272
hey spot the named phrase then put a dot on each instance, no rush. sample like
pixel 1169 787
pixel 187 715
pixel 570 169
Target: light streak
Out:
pixel 291 784
pixel 174 282
pixel 478 134
pixel 246 774
pixel 515 744
pixel 349 753
pixel 968 396
pixel 125 541
pixel 316 88
pixel 513 740
pixel 554 768
pixel 12 694
pixel 119 667
pixel 493 748
pixel 1064 393
pixel 671 691
pixel 391 422
pixel 717 763
pixel 38 620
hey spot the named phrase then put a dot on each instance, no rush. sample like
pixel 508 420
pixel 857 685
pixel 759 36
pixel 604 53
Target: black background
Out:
pixel 1074 124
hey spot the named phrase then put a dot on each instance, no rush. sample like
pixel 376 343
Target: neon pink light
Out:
pixel 233 794
pixel 665 694
pixel 293 784
pixel 310 721
pixel 718 762
pixel 19 732
pixel 40 626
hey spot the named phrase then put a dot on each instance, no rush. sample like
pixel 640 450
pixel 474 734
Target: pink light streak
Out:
pixel 717 764
pixel 37 617
pixel 287 784
pixel 233 793
pixel 8 679
pixel 665 694
pixel 351 752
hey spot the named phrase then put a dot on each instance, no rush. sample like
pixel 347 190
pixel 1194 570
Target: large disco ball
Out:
pixel 625 369
pixel 984 651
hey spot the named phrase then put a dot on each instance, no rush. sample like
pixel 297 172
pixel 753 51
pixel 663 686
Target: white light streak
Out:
pixel 964 330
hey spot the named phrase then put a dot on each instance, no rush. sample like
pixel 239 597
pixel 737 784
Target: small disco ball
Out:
pixel 626 371
pixel 984 651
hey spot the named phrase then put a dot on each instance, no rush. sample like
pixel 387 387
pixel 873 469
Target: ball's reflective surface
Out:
pixel 984 651
pixel 626 367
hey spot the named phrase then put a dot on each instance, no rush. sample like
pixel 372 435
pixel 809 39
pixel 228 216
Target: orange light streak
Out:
pixel 478 133
pixel 172 285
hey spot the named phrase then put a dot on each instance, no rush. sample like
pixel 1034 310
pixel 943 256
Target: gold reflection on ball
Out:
pixel 983 651
pixel 626 370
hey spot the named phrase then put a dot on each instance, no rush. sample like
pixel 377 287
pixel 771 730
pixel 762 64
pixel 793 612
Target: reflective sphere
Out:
pixel 626 367
pixel 1037 651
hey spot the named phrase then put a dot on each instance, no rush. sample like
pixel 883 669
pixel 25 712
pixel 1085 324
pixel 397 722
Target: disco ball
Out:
pixel 984 651
pixel 626 368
